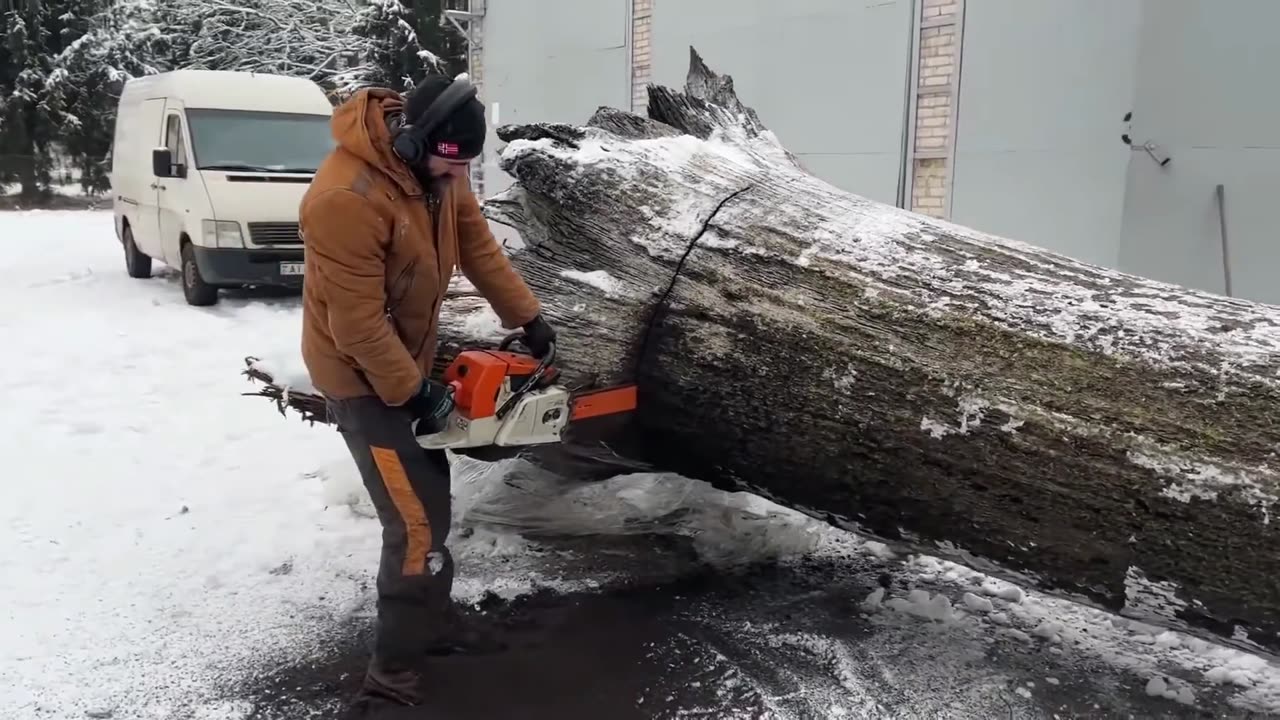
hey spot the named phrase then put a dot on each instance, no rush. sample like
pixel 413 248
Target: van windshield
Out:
pixel 258 141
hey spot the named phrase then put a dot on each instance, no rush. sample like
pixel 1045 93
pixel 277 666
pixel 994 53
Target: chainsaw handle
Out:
pixel 547 359
pixel 543 365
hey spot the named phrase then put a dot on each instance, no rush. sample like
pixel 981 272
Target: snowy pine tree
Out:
pixel 63 63
pixel 392 56
pixel 440 36
pixel 113 45
pixel 158 33
pixel 74 18
pixel 27 129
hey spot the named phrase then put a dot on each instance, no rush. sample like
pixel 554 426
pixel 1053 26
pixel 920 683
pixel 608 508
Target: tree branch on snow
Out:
pixel 311 406
pixel 1096 433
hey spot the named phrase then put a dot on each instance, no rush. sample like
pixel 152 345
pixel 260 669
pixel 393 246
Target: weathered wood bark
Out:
pixel 1101 434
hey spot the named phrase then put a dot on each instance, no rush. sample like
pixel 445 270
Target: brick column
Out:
pixel 936 88
pixel 641 60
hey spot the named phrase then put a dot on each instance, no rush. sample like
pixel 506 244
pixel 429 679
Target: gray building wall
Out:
pixel 829 77
pixel 1043 92
pixel 1033 126
pixel 1207 95
pixel 552 61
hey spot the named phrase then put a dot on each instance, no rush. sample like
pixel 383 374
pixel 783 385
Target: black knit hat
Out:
pixel 461 135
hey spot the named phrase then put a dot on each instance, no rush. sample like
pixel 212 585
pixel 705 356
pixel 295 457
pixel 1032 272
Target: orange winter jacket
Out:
pixel 377 266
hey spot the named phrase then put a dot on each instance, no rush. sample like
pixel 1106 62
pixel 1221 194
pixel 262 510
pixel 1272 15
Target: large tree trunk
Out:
pixel 1101 434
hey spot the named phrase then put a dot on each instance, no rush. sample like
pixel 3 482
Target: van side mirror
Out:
pixel 162 163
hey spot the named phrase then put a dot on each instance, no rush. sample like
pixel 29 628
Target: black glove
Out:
pixel 431 406
pixel 538 336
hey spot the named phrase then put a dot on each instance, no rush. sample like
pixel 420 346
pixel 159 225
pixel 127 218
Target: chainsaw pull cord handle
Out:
pixel 533 379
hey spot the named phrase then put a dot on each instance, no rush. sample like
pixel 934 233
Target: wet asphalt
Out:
pixel 665 636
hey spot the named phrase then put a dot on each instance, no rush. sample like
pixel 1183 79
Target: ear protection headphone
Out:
pixel 411 142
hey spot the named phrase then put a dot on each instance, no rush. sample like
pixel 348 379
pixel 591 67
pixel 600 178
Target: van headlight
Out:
pixel 222 234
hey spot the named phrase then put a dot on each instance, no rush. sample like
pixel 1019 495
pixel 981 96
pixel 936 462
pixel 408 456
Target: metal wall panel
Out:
pixel 1044 88
pixel 828 76
pixel 1206 95
pixel 552 61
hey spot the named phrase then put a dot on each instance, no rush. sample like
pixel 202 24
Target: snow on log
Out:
pixel 1100 434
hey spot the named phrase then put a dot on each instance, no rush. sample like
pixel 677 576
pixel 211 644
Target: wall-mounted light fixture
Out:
pixel 1157 154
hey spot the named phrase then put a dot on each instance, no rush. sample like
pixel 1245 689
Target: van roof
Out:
pixel 233 90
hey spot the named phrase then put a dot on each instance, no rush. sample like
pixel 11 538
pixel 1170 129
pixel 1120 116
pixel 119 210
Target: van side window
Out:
pixel 173 141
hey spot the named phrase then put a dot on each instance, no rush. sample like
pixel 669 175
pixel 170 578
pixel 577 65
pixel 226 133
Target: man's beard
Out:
pixel 431 185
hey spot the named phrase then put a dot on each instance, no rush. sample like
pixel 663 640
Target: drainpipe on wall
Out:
pixel 906 165
pixel 1222 232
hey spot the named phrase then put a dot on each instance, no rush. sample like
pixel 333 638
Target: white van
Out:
pixel 207 171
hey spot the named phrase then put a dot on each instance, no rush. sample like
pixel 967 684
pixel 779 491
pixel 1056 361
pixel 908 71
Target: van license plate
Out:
pixel 291 268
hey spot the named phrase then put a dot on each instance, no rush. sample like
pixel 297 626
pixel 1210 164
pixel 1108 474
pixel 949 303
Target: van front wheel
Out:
pixel 194 288
pixel 136 262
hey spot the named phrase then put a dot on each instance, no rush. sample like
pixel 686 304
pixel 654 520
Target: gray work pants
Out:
pixel 410 490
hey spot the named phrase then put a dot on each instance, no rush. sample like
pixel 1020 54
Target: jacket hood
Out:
pixel 359 126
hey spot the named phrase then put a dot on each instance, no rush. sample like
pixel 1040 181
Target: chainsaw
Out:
pixel 508 399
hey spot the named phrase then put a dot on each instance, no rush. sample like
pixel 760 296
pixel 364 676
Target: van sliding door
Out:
pixel 174 200
pixel 145 190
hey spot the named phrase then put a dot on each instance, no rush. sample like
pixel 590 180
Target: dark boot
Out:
pixel 387 685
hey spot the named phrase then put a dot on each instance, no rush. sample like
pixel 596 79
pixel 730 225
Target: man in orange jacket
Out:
pixel 387 218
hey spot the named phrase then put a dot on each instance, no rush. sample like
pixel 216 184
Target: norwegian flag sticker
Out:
pixel 447 149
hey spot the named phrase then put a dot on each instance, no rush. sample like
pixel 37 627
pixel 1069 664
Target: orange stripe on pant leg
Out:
pixel 409 507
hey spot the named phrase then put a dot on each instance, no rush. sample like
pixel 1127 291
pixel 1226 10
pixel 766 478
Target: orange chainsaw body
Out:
pixel 477 377
pixel 503 398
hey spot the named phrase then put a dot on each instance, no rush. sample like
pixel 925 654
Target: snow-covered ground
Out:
pixel 156 526
pixel 165 537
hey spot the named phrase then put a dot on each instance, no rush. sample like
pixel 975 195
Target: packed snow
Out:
pixel 165 535
pixel 598 279
pixel 1195 479
pixel 158 528
pixel 162 532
